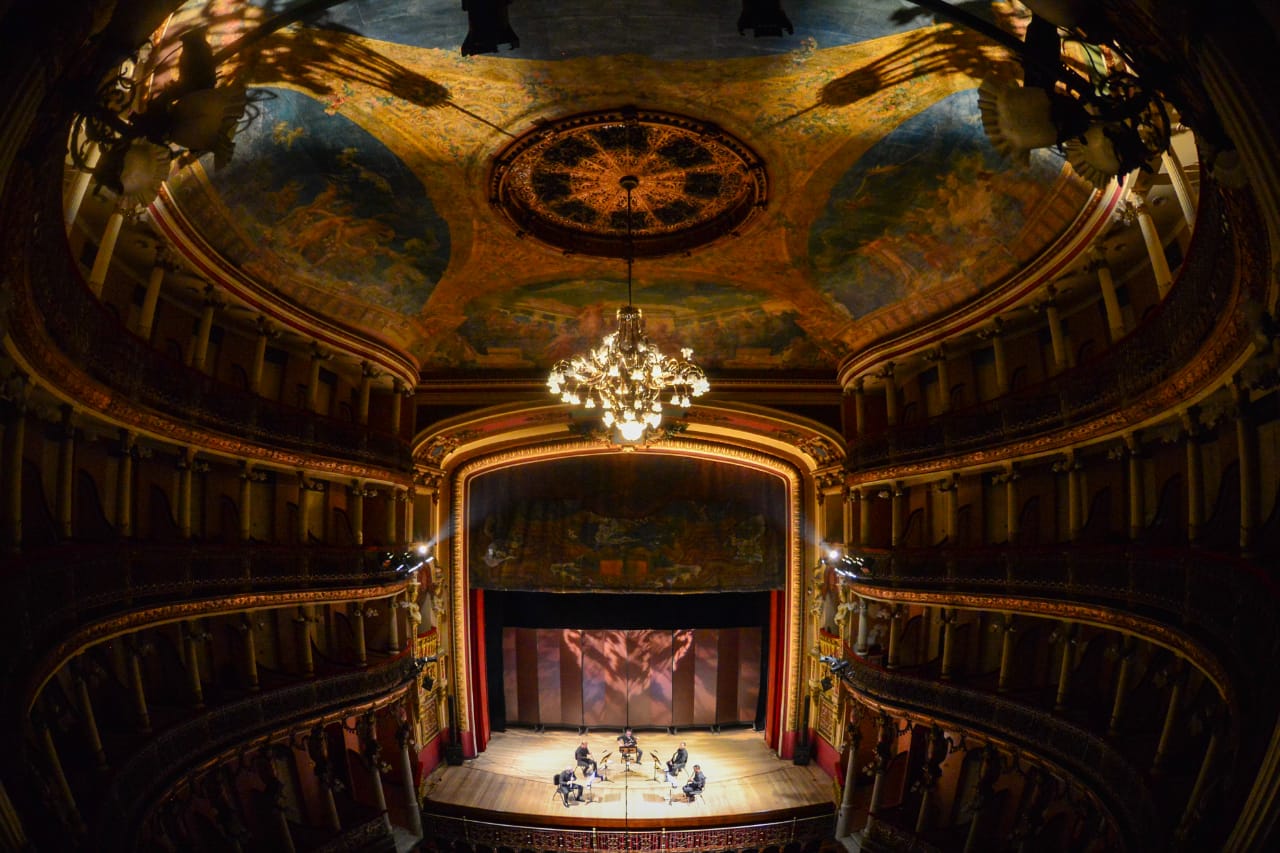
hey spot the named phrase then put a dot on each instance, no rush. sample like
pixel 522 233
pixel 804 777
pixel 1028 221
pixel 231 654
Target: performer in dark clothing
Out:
pixel 582 755
pixel 696 783
pixel 678 760
pixel 628 746
pixel 566 786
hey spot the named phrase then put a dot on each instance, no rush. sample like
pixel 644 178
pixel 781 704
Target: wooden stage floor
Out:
pixel 510 782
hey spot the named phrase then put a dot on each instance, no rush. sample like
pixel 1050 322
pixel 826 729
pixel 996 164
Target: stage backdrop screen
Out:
pixel 628 522
pixel 612 678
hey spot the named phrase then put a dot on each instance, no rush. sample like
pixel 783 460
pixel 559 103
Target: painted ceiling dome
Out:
pixel 800 197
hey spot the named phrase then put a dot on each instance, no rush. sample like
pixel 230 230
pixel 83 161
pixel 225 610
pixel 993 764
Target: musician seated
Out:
pixel 566 786
pixel 696 783
pixel 582 755
pixel 676 763
pixel 628 747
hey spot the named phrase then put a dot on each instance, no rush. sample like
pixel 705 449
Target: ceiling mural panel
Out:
pixel 364 190
pixel 310 194
pixel 931 206
pixel 553 320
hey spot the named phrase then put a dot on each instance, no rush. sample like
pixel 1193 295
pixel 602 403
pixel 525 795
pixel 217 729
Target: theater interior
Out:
pixel 877 398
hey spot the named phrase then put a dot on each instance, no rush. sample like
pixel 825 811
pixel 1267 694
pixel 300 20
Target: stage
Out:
pixel 511 783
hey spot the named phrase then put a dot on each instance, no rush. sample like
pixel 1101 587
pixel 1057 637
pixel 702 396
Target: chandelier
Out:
pixel 627 377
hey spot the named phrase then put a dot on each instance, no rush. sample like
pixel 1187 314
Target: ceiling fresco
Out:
pixel 362 189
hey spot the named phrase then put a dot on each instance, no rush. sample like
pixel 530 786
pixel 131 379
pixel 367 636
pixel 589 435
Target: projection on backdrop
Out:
pixel 571 677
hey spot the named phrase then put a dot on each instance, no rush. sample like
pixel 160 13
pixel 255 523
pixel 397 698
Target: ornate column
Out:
pixel 393 495
pixel 1191 812
pixel 406 498
pixel 318 751
pixel 931 773
pixel 1007 629
pixel 983 793
pixel 368 373
pixel 124 485
pixel 1195 473
pixel 164 262
pixel 66 473
pixel 200 352
pixel 1181 186
pixel 896 616
pixel 275 795
pixel 1070 465
pixel 859 406
pixel 358 494
pixel 865 497
pixel 371 753
pixel 135 651
pixel 1057 334
pixel 16 390
pixel 1247 453
pixel 194 635
pixel 1137 487
pixel 55 764
pixel 304 619
pixel 1067 634
pixel 186 461
pixel 81 672
pixel 1177 678
pixel 404 737
pixel 995 334
pixel 80 186
pixel 950 488
pixel 393 624
pixel 265 333
pixel 246 627
pixel 890 393
pixel 948 616
pixel 854 740
pixel 1009 479
pixel 886 740
pixel 107 246
pixel 318 355
pixel 1107 284
pixel 248 477
pixel 397 398
pixel 307 489
pixel 864 627
pixel 1125 653
pixel 358 614
pixel 897 514
pixel 938 357
pixel 1151 237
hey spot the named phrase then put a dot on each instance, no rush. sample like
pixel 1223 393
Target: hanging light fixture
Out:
pixel 627 377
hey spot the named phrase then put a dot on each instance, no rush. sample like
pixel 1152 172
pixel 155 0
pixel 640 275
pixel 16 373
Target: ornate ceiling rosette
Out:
pixel 561 183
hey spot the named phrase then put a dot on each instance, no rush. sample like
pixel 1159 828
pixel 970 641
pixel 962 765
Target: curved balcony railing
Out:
pixel 143 778
pixel 50 594
pixel 1100 768
pixel 802 830
pixel 1165 344
pixel 1225 604
pixel 92 339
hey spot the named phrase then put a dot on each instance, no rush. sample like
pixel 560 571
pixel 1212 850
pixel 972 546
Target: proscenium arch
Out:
pixel 782 720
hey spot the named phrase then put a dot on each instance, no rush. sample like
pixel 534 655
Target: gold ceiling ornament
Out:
pixel 627 377
pixel 560 183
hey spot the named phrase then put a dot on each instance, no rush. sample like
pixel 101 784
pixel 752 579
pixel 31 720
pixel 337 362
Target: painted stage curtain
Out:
pixel 642 678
